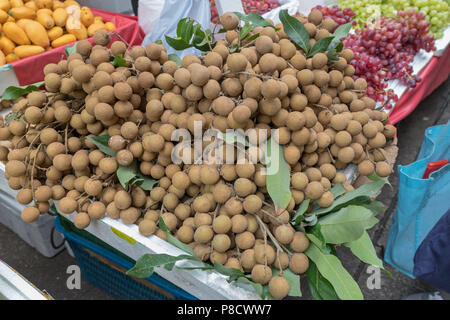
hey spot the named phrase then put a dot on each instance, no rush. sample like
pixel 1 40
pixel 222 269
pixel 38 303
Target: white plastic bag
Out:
pixel 292 6
pixel 172 12
pixel 148 13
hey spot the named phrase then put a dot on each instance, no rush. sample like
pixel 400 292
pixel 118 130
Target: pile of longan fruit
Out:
pixel 223 211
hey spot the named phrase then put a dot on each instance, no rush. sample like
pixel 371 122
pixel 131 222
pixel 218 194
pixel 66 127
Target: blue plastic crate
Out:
pixel 95 264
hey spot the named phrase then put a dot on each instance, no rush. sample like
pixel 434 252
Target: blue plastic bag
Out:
pixel 421 202
pixel 172 12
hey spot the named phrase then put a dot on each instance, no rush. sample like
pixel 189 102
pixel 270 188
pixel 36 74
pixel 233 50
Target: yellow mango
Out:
pixel 10 19
pixel 41 11
pixel 23 22
pixel 46 20
pixel 58 4
pixel 16 3
pixel 69 3
pixel 5 5
pixel 2 58
pixel 98 19
pixel 6 45
pixel 16 33
pixel 60 17
pixel 110 26
pixel 93 28
pixel 80 32
pixel 3 16
pixel 22 13
pixel 37 34
pixel 27 51
pixel 55 33
pixel 31 5
pixel 47 4
pixel 86 16
pixel 63 40
pixel 12 57
pixel 1 28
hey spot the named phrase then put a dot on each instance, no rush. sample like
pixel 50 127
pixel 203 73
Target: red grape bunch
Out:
pixel 340 16
pixel 385 50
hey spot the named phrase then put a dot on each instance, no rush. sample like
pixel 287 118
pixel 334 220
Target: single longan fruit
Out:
pixel 209 175
pixel 241 113
pixel 292 154
pixel 229 21
pixel 279 287
pixel 264 44
pixel 264 254
pixel 130 215
pixel 82 220
pixel 299 263
pixel 319 60
pixel 147 227
pixel 299 242
pixel 237 62
pixel 68 205
pixel 43 193
pixel 203 234
pixel 122 200
pixel 346 154
pixel 326 199
pixel 24 196
pixel 243 187
pixel 239 223
pixel 30 214
pixel 315 17
pixel 261 274
pixel 284 234
pixel 96 210
pixel 221 242
pixel 268 63
pixel 247 259
pixel 270 89
pixel 252 204
pixel 15 168
pixel 102 38
pixel 245 240
pixel 383 169
pixel 366 167
pixel 181 180
pixel 222 193
pixel 314 190
pixel 222 224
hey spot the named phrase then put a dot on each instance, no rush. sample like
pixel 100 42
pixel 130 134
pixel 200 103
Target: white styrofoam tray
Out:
pixel 40 234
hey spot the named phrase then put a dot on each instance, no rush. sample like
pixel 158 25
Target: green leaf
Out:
pixel 337 190
pixel 187 31
pixel 180 25
pixel 13 92
pixel 177 43
pixel 320 46
pixel 340 33
pixel 101 142
pixel 175 58
pixel 253 37
pixel 232 137
pixel 345 225
pixel 364 250
pixel 293 280
pixel 298 217
pixel 369 189
pixel 147 182
pixel 375 177
pixel 158 42
pixel 317 232
pixel 295 30
pixel 332 55
pixel 127 174
pixel 70 49
pixel 246 30
pixel 278 175
pixel 259 289
pixel 119 61
pixel 375 206
pixel 146 264
pixel 234 48
pixel 331 268
pixel 321 288
pixel 255 19
pixel 172 240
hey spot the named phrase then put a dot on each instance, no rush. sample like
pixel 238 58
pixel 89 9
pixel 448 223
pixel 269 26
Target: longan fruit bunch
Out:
pixel 219 206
